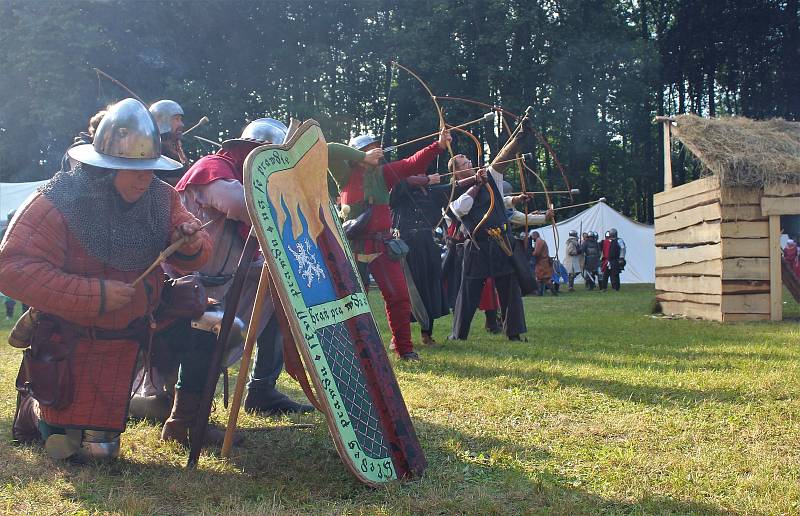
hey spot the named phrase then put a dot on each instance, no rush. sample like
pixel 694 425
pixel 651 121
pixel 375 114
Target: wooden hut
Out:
pixel 718 252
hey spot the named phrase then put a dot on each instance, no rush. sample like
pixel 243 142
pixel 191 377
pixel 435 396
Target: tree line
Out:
pixel 595 72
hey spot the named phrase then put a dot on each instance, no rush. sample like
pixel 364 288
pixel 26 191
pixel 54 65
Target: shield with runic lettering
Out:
pixel 326 308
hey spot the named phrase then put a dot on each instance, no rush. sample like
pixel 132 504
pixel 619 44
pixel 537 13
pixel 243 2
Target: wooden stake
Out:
pixel 262 294
pixel 667 125
pixel 775 283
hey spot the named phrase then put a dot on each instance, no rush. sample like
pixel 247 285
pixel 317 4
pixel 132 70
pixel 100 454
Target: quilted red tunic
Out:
pixel 43 265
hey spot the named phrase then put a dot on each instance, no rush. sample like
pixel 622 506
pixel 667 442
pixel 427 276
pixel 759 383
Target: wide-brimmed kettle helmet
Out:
pixel 127 138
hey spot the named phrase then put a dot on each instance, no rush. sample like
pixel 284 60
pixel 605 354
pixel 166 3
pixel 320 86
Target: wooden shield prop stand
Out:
pixel 325 304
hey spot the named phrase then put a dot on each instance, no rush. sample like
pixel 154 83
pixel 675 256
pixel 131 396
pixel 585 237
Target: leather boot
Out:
pixel 273 403
pixel 181 419
pixel 178 426
pixel 26 421
pixel 427 339
pixel 491 322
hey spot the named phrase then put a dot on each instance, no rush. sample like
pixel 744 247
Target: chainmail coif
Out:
pixel 125 236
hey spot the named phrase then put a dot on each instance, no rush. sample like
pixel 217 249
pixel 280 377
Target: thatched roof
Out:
pixel 743 152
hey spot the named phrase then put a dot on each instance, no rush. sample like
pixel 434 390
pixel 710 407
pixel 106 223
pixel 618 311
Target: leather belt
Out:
pixel 136 330
pixel 379 237
pixel 218 280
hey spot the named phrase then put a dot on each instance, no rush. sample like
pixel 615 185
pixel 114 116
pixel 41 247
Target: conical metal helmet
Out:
pixel 127 138
pixel 262 130
pixel 163 111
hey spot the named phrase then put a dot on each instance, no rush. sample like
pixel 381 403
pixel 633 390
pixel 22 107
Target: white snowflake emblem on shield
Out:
pixel 307 262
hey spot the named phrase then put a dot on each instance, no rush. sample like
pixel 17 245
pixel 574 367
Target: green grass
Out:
pixel 604 409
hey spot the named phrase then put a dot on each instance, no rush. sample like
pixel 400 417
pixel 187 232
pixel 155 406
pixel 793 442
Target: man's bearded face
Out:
pixel 176 124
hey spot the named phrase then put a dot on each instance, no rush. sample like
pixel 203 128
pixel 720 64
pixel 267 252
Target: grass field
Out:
pixel 605 409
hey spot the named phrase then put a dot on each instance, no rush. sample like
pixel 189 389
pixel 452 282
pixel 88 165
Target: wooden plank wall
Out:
pixel 747 240
pixel 781 200
pixel 688 250
pixel 712 252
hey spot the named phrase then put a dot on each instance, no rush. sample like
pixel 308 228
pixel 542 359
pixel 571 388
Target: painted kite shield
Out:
pixel 316 279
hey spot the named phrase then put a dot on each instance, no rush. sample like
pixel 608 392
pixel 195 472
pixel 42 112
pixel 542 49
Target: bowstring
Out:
pixel 389 81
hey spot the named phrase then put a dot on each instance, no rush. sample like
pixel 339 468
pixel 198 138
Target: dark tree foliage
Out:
pixel 595 72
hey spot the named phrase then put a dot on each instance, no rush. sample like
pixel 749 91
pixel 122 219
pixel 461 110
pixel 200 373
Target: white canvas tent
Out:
pixel 13 194
pixel 639 239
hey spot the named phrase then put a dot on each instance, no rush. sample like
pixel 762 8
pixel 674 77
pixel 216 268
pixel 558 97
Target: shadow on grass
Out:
pixel 466 363
pixel 280 471
pixel 659 357
pixel 485 463
pixel 126 484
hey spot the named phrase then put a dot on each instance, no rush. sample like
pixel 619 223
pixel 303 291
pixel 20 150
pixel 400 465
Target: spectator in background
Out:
pixel 591 259
pixel 613 261
pixel 544 267
pixel 574 259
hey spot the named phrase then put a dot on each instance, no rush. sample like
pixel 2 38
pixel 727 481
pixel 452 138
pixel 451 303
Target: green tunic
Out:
pixel 374 186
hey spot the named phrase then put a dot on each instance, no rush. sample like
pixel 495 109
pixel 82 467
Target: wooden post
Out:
pixel 262 293
pixel 666 122
pixel 775 283
pixel 667 155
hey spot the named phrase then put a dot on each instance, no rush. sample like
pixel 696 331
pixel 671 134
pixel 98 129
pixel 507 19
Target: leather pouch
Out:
pixel 45 372
pixel 183 298
pixel 397 248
